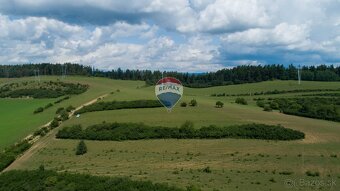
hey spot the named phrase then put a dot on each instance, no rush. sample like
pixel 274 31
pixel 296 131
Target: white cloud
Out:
pixel 158 54
pixel 185 35
pixel 230 15
pixel 101 46
pixel 281 35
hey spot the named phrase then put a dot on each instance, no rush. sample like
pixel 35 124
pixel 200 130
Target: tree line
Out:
pixel 42 179
pixel 275 91
pixel 312 107
pixel 137 131
pixel 8 155
pixel 114 105
pixel 48 89
pixel 236 75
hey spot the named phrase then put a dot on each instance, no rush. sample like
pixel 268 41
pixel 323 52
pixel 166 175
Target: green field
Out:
pixel 17 118
pixel 235 164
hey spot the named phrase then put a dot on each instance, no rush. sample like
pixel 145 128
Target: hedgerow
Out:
pixel 48 89
pixel 113 105
pixel 312 107
pixel 136 131
pixel 9 154
pixel 49 180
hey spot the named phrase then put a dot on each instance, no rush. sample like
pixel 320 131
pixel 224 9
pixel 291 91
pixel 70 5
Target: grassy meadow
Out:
pixel 224 164
pixel 17 118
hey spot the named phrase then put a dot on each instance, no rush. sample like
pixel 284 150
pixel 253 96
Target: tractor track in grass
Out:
pixel 44 141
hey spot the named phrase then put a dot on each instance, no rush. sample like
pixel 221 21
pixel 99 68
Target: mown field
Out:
pixel 224 164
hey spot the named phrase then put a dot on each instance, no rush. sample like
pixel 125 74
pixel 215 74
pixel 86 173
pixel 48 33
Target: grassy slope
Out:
pixel 179 161
pixel 17 118
pixel 264 86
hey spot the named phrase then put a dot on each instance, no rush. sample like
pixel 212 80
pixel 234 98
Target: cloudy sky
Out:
pixel 182 35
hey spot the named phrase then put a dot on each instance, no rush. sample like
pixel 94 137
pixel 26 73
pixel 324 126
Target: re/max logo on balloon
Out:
pixel 173 87
pixel 169 91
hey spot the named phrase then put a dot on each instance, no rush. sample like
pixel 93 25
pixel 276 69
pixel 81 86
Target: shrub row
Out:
pixel 113 105
pixel 49 180
pixel 62 99
pixel 62 116
pixel 41 109
pixel 41 90
pixel 9 154
pixel 136 131
pixel 316 107
pixel 335 94
pixel 272 92
pixel 34 93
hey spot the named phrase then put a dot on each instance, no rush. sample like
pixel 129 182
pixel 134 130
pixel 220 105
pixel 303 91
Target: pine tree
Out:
pixel 81 148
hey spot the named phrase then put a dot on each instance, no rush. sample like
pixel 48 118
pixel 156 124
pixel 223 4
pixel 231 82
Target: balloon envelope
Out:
pixel 169 91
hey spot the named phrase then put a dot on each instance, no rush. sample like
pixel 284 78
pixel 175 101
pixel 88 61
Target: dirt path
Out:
pixel 44 141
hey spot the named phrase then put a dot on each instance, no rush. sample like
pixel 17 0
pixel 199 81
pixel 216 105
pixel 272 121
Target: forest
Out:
pixel 236 75
pixel 137 131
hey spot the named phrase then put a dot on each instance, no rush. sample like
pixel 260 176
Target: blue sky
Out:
pixel 182 35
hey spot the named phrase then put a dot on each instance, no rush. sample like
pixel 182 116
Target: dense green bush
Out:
pixel 193 103
pixel 5 160
pixel 48 89
pixel 59 110
pixel 136 131
pixel 101 106
pixel 48 105
pixel 64 115
pixel 81 148
pixel 41 109
pixel 34 93
pixel 42 131
pixel 70 108
pixel 38 110
pixel 267 107
pixel 313 174
pixel 62 99
pixel 219 104
pixel 260 103
pixel 54 123
pixel 41 180
pixel 9 154
pixel 183 104
pixel 274 105
pixel 313 107
pixel 241 101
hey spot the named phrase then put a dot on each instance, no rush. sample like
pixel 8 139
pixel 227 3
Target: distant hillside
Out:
pixel 236 75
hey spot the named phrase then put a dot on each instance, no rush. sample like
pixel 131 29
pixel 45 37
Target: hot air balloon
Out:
pixel 169 91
